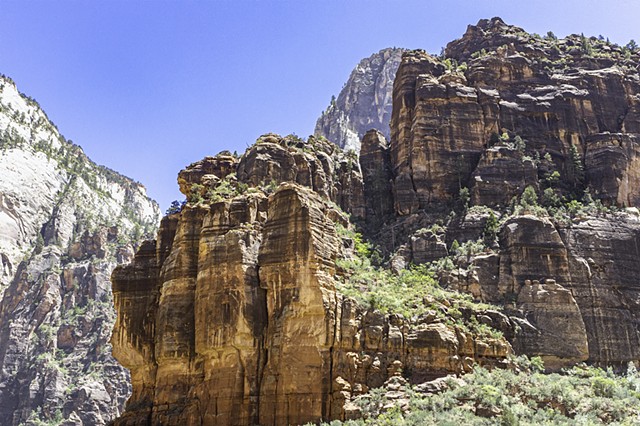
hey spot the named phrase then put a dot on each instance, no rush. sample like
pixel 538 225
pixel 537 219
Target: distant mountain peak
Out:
pixel 364 103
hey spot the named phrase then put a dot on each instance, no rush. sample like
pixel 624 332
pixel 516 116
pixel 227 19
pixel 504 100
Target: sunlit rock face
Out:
pixel 65 223
pixel 364 103
pixel 234 315
pixel 449 114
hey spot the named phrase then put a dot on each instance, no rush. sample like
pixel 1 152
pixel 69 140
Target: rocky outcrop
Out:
pixel 534 271
pixel 65 223
pixel 501 172
pixel 238 320
pixel 315 163
pixel 575 285
pixel 502 111
pixel 375 164
pixel 603 261
pixel 236 314
pixel 497 79
pixel 364 103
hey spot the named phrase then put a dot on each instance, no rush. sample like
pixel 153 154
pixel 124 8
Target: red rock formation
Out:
pixel 241 322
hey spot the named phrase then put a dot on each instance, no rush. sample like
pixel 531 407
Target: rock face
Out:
pixel 375 164
pixel 526 111
pixel 65 223
pixel 233 317
pixel 364 103
pixel 501 173
pixel 550 93
pixel 534 268
pixel 511 172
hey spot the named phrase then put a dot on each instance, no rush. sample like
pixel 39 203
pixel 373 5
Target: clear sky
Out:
pixel 147 87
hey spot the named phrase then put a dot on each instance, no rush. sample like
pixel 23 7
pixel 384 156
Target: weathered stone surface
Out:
pixel 612 163
pixel 576 286
pixel 238 320
pixel 65 223
pixel 427 246
pixel 315 163
pixel 444 119
pixel 603 261
pixel 376 175
pixel 364 103
pixel 209 170
pixel 534 271
pixel 557 318
pixel 501 174
pixel 438 133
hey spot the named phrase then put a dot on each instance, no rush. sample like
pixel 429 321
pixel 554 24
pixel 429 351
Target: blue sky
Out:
pixel 147 87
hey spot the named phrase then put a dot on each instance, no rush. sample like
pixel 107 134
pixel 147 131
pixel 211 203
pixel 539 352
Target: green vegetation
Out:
pixel 511 141
pixel 522 395
pixel 464 199
pixel 175 207
pixel 411 293
pixel 490 231
pixel 576 169
pixel 38 418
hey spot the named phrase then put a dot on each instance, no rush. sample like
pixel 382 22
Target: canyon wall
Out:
pixel 510 176
pixel 65 223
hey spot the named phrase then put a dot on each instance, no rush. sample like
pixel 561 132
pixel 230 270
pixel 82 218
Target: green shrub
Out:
pixel 521 395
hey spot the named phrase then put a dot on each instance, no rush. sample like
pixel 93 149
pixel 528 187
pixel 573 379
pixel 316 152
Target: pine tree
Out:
pixel 576 169
pixel 490 231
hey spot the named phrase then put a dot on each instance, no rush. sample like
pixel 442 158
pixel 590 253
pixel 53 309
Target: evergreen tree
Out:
pixel 175 207
pixel 576 169
pixel 490 231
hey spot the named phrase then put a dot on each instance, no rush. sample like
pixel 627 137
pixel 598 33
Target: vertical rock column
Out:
pixel 135 295
pixel 175 331
pixel 535 273
pixel 296 269
pixel 230 312
pixel 377 177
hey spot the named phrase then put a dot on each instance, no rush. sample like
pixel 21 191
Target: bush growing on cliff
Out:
pixel 528 204
pixel 195 193
pixel 522 395
pixel 576 170
pixel 490 231
pixel 464 198
pixel 411 293
pixel 175 207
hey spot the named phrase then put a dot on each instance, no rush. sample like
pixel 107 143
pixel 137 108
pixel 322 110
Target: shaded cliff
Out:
pixel 501 218
pixel 364 103
pixel 65 223
pixel 503 111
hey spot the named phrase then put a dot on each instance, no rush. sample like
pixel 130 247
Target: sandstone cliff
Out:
pixel 235 315
pixel 64 224
pixel 364 103
pixel 505 110
pixel 509 178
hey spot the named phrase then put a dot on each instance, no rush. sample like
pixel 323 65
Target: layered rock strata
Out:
pixel 574 99
pixel 233 317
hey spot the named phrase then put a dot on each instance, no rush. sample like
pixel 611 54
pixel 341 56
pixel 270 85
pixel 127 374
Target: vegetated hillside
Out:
pixel 65 223
pixel 364 103
pixel 500 220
